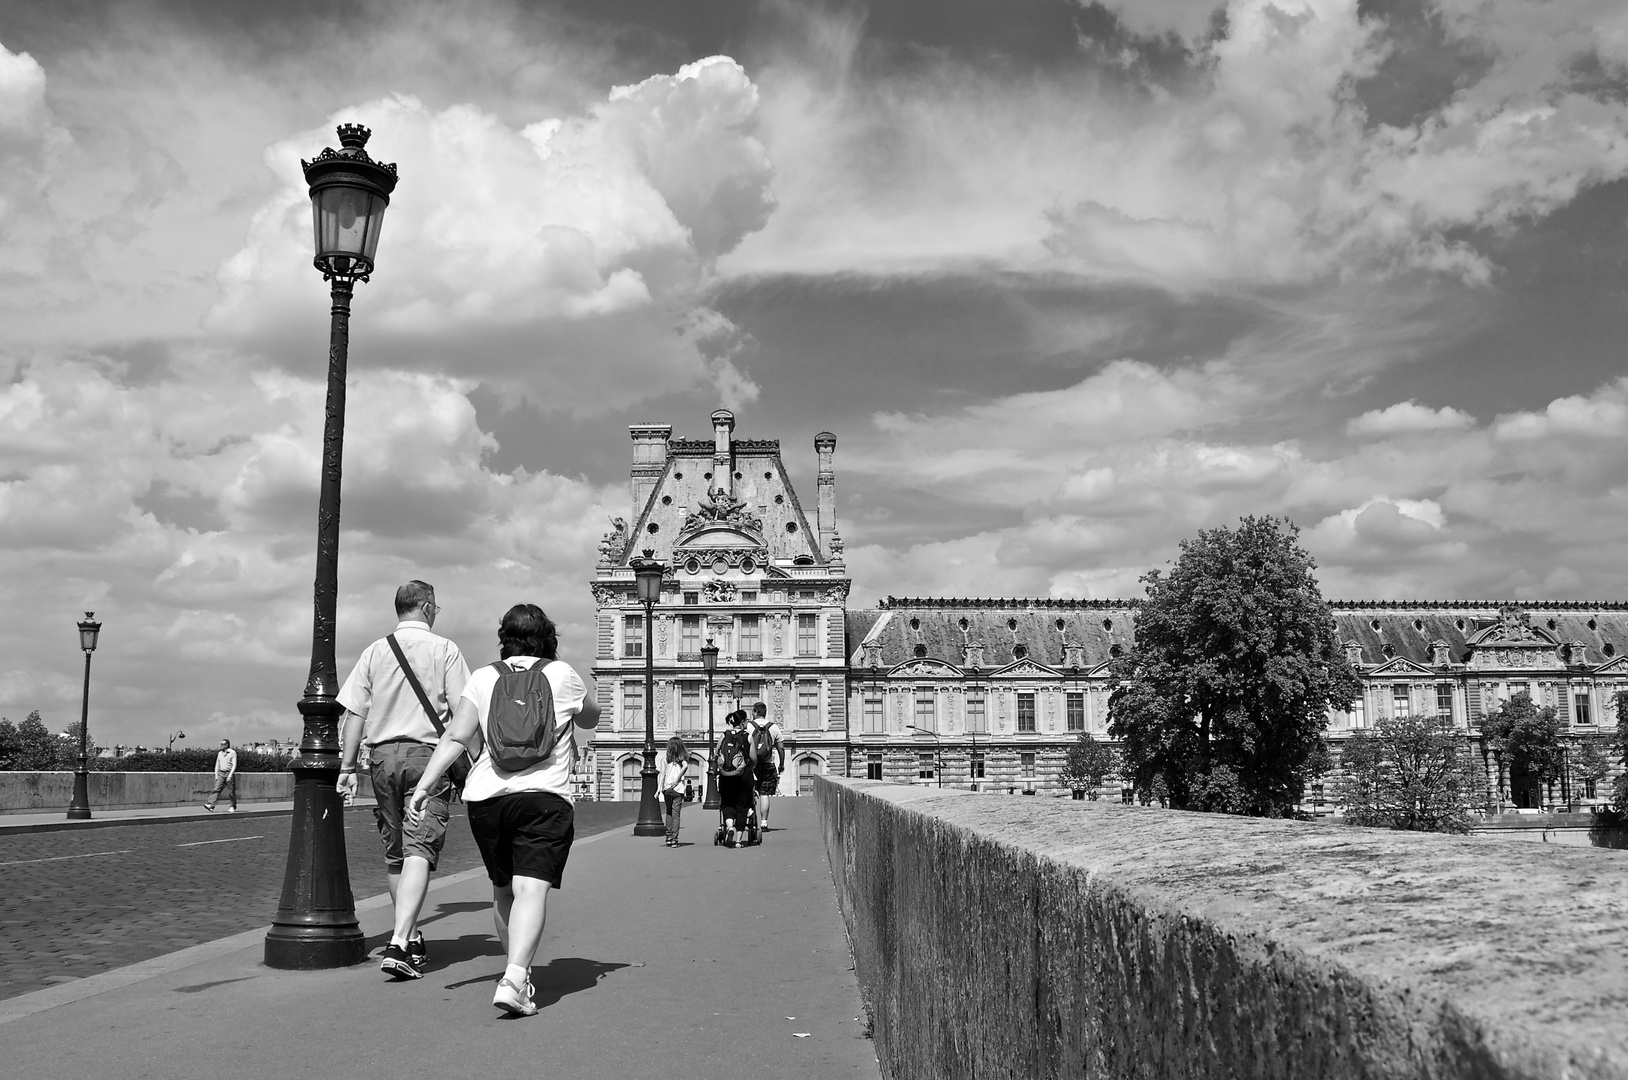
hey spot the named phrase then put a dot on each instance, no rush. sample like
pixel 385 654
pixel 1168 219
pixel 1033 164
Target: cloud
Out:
pixel 568 259
pixel 1407 416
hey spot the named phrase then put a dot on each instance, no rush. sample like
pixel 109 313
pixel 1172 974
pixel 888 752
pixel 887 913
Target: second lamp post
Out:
pixel 647 574
pixel 709 660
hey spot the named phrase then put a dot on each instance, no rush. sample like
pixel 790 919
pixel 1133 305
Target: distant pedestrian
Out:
pixel 525 718
pixel 735 784
pixel 225 777
pixel 769 760
pixel 401 692
pixel 675 775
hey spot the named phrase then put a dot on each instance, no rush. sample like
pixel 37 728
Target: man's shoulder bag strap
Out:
pixel 418 688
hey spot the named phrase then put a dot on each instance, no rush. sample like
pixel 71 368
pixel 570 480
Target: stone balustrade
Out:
pixel 995 936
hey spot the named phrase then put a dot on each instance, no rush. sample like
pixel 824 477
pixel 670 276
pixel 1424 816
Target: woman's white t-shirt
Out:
pixel 553 774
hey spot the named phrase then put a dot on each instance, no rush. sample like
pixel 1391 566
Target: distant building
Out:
pixel 747 570
pixel 982 692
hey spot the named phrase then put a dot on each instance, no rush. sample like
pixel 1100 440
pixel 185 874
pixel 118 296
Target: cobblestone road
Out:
pixel 75 903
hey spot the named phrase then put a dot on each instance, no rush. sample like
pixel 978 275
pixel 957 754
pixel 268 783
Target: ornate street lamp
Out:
pixel 79 808
pixel 315 925
pixel 709 660
pixel 170 749
pixel 647 573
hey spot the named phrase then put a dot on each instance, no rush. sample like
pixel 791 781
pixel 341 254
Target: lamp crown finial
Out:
pixel 649 553
pixel 90 615
pixel 353 136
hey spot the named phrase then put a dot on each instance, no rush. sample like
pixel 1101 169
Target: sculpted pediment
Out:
pixel 719 535
pixel 1513 629
pixel 929 669
pixel 1400 666
pixel 1025 669
pixel 1619 666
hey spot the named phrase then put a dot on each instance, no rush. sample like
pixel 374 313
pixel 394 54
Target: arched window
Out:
pixel 631 780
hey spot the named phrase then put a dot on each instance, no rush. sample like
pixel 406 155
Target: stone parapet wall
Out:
pixel 36 792
pixel 1051 938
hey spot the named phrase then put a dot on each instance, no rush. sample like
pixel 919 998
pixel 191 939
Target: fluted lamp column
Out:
pixel 315 925
pixel 647 574
pixel 79 808
pixel 709 661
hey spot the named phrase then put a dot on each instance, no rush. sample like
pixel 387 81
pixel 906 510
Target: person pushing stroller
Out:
pixel 737 816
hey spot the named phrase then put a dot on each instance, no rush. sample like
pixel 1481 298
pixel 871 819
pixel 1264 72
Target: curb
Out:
pixel 111 822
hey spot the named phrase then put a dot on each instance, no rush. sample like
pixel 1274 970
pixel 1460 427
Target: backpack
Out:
pixel 762 743
pixel 732 751
pixel 520 727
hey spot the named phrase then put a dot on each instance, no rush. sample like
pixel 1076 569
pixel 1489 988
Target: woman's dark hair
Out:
pixel 526 631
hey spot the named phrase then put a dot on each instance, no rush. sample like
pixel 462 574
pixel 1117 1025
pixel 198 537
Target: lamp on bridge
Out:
pixel 709 661
pixel 315 925
pixel 938 752
pixel 170 749
pixel 647 574
pixel 79 808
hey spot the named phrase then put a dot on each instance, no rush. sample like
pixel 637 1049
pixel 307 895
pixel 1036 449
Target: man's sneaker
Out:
pixel 514 1000
pixel 418 954
pixel 231 809
pixel 396 962
pixel 210 807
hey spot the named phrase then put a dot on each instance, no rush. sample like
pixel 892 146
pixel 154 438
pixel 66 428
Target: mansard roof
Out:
pixel 779 529
pixel 945 627
pixel 1410 628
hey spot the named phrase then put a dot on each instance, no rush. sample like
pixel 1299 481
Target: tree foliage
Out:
pixel 1619 746
pixel 30 745
pixel 1411 772
pixel 1087 764
pixel 1226 691
pixel 1522 732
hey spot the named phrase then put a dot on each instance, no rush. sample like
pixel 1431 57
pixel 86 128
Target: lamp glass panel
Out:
pixel 649 583
pixel 87 637
pixel 346 220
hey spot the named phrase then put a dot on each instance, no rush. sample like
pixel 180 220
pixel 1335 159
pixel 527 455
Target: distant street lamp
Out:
pixel 647 574
pixel 709 661
pixel 315 925
pixel 938 753
pixel 79 808
pixel 178 735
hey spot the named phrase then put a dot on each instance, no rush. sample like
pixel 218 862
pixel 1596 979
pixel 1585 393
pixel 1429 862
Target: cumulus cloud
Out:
pixel 1406 416
pixel 569 258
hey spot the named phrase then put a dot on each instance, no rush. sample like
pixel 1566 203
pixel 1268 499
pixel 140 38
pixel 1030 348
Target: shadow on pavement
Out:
pixel 567 975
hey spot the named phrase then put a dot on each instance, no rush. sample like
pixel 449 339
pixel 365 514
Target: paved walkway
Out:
pixel 696 963
pixel 55 820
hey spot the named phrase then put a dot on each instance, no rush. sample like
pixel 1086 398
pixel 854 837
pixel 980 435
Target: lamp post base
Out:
pixel 649 823
pixel 79 808
pixel 316 925
pixel 711 802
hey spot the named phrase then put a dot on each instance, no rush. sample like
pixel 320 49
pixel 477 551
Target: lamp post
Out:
pixel 170 749
pixel 647 574
pixel 79 808
pixel 938 753
pixel 315 925
pixel 709 660
pixel 974 763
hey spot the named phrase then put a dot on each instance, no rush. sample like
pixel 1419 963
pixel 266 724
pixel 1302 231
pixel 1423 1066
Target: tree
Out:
pixel 1521 732
pixel 1088 762
pixel 1226 691
pixel 1619 745
pixel 29 745
pixel 1592 761
pixel 1410 772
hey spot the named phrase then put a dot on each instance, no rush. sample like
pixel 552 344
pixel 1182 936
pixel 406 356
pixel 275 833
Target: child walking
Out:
pixel 674 772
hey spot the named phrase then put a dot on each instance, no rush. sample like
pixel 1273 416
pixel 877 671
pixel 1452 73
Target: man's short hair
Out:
pixel 226 742
pixel 759 709
pixel 527 631
pixel 414 594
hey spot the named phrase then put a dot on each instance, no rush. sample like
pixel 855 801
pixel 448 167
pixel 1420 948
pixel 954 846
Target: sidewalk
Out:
pixel 54 820
pixel 701 963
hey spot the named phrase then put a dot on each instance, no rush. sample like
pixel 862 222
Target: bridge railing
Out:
pixel 995 936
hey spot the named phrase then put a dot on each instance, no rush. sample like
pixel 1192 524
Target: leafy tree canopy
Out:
pixel 1522 731
pixel 1409 773
pixel 1087 764
pixel 1225 693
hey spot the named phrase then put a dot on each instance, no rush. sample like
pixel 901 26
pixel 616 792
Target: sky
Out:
pixel 1070 282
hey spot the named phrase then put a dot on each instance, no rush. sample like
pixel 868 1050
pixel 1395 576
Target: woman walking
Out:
pixel 674 771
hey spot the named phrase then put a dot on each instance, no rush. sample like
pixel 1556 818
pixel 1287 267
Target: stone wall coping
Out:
pixel 1526 942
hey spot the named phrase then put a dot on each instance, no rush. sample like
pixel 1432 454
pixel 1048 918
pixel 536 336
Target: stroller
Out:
pixel 748 836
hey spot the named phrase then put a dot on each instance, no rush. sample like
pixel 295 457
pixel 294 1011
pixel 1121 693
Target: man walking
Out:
pixel 225 777
pixel 769 753
pixel 401 692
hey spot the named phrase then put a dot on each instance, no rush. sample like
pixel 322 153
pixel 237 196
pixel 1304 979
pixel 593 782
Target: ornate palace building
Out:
pixel 747 571
pixel 983 692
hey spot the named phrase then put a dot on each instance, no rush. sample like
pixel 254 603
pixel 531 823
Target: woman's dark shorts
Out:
pixel 527 834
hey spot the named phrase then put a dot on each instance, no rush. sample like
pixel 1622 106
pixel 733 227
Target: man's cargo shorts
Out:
pixel 397 767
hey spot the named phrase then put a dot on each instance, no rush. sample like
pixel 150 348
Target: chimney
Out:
pixel 723 454
pixel 649 459
pixel 825 444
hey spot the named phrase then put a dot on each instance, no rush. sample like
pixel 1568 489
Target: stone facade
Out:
pixel 747 571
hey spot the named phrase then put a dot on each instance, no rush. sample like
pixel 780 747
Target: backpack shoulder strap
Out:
pixel 418 688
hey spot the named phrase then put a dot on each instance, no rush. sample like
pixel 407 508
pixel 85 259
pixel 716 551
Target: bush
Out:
pixel 190 761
